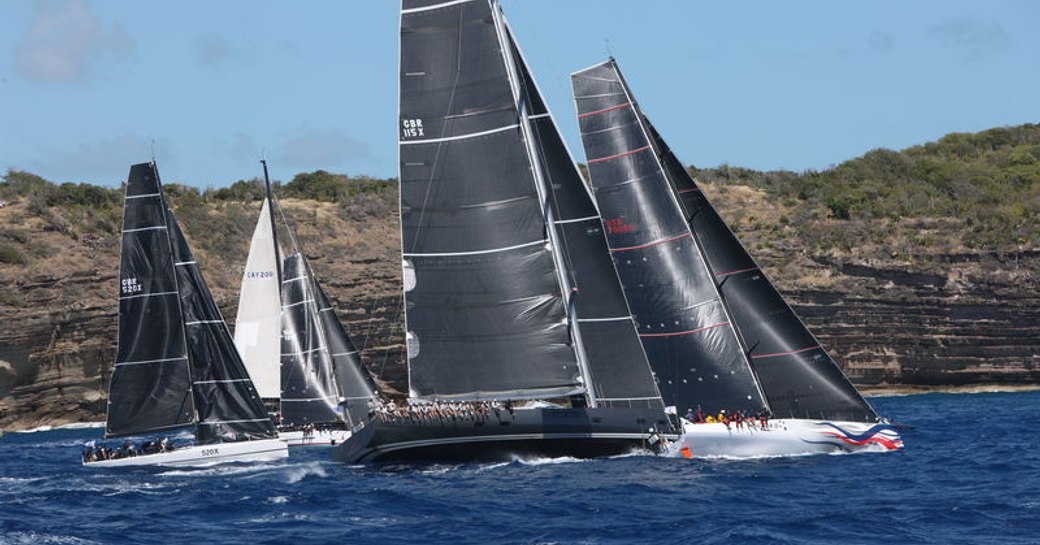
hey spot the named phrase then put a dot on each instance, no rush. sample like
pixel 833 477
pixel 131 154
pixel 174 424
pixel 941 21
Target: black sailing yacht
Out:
pixel 294 345
pixel 511 301
pixel 718 334
pixel 176 365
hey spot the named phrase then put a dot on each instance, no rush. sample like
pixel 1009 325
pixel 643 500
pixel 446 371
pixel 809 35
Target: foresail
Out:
pixel 309 392
pixel 618 371
pixel 150 388
pixel 258 323
pixel 798 376
pixel 228 406
pixel 688 336
pixel 484 309
pixel 355 385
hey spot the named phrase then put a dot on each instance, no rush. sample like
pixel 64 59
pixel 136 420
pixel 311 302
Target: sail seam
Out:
pixel 435 6
pixel 479 252
pixel 197 322
pixel 302 399
pixel 738 271
pixel 460 136
pixel 294 279
pixel 212 422
pixel 148 295
pixel 303 352
pixel 142 362
pixel 614 319
pixel 576 220
pixel 155 228
pixel 689 190
pixel 789 352
pixel 305 301
pixel 143 196
pixel 183 263
pixel 618 155
pixel 221 381
pixel 539 116
pixel 649 244
pixel 690 332
pixel 345 353
pixel 604 110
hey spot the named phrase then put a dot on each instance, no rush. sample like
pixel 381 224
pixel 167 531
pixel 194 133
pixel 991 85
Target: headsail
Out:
pixel 684 325
pixel 150 388
pixel 227 405
pixel 258 324
pixel 355 385
pixel 309 392
pixel 799 377
pixel 618 371
pixel 484 312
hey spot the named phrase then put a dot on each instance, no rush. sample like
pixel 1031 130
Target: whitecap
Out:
pixel 299 473
pixel 539 461
pixel 16 538
pixel 277 500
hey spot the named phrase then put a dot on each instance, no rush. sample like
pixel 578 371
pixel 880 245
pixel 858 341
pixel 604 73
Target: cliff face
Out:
pixel 890 311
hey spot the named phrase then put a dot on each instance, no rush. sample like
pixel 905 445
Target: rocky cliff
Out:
pixel 892 307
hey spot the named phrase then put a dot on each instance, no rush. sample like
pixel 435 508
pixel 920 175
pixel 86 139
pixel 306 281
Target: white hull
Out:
pixel 266 450
pixel 328 438
pixel 782 437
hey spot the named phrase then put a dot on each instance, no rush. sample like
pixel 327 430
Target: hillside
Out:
pixel 920 266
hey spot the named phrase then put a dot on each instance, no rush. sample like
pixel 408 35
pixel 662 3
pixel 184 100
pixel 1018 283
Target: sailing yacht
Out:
pixel 514 315
pixel 718 334
pixel 306 368
pixel 176 365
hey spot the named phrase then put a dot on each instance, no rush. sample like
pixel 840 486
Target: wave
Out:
pixel 72 426
pixel 299 473
pixel 34 538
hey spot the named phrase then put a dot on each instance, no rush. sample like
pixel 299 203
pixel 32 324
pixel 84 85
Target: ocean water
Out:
pixel 970 474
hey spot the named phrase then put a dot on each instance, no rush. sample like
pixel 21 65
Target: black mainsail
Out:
pixel 485 312
pixel 213 390
pixel 798 376
pixel 690 339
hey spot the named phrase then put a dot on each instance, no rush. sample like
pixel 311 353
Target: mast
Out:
pixel 274 230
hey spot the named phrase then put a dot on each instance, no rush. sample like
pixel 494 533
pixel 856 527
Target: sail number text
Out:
pixel 210 451
pixel 259 274
pixel 129 285
pixel 411 128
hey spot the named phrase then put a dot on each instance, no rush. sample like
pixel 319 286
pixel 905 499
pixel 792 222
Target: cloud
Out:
pixel 212 51
pixel 102 158
pixel 881 42
pixel 312 148
pixel 65 40
pixel 974 36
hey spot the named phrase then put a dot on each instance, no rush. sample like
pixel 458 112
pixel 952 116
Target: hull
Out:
pixel 505 436
pixel 327 438
pixel 267 450
pixel 783 437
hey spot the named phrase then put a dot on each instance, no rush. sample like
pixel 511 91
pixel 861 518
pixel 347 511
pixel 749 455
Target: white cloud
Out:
pixel 101 159
pixel 974 36
pixel 65 40
pixel 318 148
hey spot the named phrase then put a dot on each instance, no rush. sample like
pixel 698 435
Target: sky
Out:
pixel 88 87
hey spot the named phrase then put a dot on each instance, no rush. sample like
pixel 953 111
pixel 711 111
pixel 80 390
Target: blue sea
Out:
pixel 970 474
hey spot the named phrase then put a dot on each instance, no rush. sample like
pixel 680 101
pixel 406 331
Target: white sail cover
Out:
pixel 258 324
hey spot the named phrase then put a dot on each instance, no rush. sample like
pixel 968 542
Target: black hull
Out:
pixel 579 433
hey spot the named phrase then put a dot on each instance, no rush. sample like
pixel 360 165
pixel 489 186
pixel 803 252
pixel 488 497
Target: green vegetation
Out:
pixel 990 181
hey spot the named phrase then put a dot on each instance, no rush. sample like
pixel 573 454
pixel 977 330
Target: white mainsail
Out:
pixel 258 327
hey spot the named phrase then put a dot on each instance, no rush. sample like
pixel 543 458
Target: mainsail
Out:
pixel 689 337
pixel 196 375
pixel 258 324
pixel 485 311
pixel 150 388
pixel 799 377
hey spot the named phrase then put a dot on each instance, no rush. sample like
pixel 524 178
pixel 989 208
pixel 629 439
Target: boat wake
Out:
pixel 72 426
